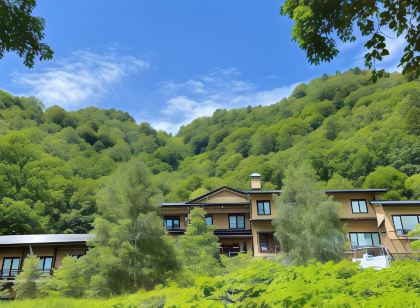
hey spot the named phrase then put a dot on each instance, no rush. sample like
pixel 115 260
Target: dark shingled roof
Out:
pixel 355 190
pixel 396 202
pixel 194 202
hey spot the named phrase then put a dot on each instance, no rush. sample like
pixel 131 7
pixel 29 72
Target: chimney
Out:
pixel 255 181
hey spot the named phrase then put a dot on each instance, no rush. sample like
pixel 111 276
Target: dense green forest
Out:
pixel 355 133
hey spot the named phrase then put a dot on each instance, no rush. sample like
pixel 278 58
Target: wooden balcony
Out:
pixel 219 232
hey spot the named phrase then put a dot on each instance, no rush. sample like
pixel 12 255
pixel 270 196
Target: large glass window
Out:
pixel 236 222
pixel 10 267
pixel 359 206
pixel 360 239
pixel 209 220
pixel 45 264
pixel 405 223
pixel 172 223
pixel 264 207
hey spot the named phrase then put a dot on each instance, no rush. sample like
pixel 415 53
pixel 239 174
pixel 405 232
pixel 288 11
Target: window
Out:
pixel 360 239
pixel 172 223
pixel 268 243
pixel 264 207
pixel 405 223
pixel 236 222
pixel 10 267
pixel 209 220
pixel 359 206
pixel 45 264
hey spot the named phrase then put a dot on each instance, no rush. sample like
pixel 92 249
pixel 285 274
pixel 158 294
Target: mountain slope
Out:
pixel 353 132
pixel 342 124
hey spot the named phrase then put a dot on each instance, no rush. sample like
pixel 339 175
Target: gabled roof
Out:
pixel 44 238
pixel 396 202
pixel 181 204
pixel 173 204
pixel 278 191
pixel 243 193
pixel 236 191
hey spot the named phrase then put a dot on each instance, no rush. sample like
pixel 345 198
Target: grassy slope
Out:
pixel 247 283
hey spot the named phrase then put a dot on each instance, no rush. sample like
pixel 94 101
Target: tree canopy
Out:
pixel 199 248
pixel 21 32
pixel 130 250
pixel 319 24
pixel 307 223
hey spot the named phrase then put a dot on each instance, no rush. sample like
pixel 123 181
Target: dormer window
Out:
pixel 358 206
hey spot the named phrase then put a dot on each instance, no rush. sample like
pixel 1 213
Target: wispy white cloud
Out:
pixel 201 96
pixel 79 79
pixel 396 50
pixel 395 46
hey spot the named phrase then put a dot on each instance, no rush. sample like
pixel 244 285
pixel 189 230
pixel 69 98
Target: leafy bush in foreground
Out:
pixel 266 283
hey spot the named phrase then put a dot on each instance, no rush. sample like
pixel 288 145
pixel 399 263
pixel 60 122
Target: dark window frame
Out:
pixel 358 200
pixel 263 207
pixel 275 242
pixel 403 230
pixel 11 274
pixel 236 215
pixel 208 216
pixel 44 270
pixel 379 237
pixel 165 218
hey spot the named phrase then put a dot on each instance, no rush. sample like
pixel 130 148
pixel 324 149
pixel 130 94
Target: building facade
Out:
pixel 50 248
pixel 243 223
pixel 243 219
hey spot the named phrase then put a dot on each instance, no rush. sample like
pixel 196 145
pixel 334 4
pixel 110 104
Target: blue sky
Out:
pixel 168 62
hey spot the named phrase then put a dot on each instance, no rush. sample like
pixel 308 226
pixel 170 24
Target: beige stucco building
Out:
pixel 243 219
pixel 50 248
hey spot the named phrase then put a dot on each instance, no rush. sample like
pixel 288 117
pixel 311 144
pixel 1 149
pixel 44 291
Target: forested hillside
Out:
pixel 355 134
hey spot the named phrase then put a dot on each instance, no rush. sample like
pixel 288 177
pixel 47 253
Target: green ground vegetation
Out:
pixel 248 282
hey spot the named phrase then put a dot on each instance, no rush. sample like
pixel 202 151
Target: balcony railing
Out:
pixel 402 231
pixel 10 274
pixel 232 232
pixel 270 248
pixel 176 231
pixel 218 232
pixel 230 250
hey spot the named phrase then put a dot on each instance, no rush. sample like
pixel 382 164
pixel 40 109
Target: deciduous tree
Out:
pixel 308 225
pixel 199 248
pixel 27 282
pixel 131 250
pixel 318 24
pixel 21 32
